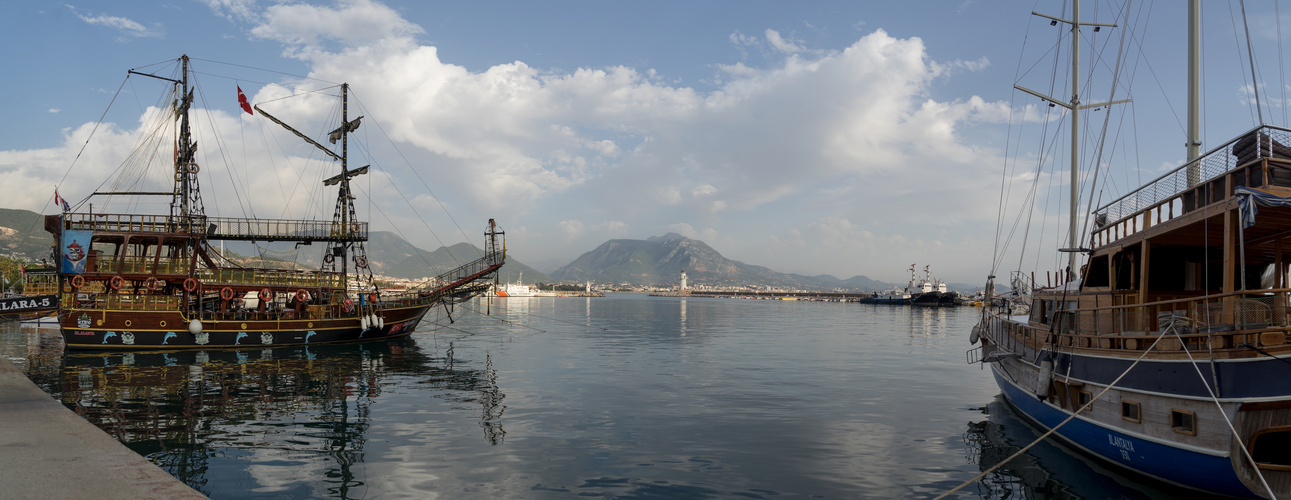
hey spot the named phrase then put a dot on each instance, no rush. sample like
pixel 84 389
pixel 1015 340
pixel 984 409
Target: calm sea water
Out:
pixel 625 396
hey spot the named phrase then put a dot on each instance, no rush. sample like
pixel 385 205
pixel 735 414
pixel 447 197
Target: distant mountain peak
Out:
pixel 659 260
pixel 666 237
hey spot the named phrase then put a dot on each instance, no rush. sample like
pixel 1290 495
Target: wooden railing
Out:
pixel 1215 322
pixel 271 277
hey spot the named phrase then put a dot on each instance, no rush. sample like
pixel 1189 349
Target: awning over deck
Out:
pixel 1248 199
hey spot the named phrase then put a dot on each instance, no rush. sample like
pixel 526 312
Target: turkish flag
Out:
pixel 242 99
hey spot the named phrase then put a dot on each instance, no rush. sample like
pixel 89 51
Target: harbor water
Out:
pixel 626 396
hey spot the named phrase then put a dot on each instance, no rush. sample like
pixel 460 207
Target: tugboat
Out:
pixel 933 293
pixel 153 280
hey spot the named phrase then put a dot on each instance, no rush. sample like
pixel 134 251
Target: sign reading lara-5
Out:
pixel 28 304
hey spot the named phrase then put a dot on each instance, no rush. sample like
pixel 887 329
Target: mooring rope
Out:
pixel 1056 427
pixel 1211 391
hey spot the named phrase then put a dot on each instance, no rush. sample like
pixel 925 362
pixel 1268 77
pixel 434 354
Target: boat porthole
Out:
pixel 244 326
pixel 163 323
pixel 309 325
pixel 127 322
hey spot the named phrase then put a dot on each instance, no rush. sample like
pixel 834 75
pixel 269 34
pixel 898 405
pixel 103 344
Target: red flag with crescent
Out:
pixel 242 99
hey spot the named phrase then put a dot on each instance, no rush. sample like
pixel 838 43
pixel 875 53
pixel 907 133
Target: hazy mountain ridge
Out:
pixel 22 234
pixel 659 260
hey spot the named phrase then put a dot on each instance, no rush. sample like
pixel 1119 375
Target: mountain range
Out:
pixel 660 260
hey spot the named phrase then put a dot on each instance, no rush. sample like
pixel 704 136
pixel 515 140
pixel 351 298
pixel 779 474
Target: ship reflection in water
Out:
pixel 306 408
pixel 1048 470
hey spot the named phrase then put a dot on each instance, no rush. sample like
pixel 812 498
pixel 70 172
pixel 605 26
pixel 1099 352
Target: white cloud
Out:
pixel 125 26
pixel 571 228
pixel 233 10
pixel 781 44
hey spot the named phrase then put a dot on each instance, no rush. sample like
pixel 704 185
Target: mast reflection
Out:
pixel 182 408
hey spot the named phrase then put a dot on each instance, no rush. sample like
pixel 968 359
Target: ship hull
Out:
pixel 1210 472
pixel 82 330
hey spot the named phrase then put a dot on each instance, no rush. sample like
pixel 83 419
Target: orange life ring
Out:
pixel 361 262
pixel 327 259
pixel 266 295
pixel 302 295
pixel 116 282
pixel 354 227
pixel 190 284
pixel 78 281
pixel 152 283
pixel 226 293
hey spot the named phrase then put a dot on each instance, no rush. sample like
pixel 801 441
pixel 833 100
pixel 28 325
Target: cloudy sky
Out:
pixel 833 137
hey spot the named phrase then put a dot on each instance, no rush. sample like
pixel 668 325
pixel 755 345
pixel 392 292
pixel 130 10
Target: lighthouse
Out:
pixel 683 280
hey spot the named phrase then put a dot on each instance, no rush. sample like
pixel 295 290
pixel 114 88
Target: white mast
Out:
pixel 1194 90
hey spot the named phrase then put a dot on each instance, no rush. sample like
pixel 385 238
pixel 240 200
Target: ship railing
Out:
pixel 270 277
pixel 125 302
pixel 1260 157
pixel 221 228
pixel 227 228
pixel 1222 321
pixel 464 281
pixel 139 264
pixel 134 223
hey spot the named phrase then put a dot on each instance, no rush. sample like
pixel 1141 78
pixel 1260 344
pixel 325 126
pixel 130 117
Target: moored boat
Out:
pixel 517 289
pixel 131 280
pixel 1165 352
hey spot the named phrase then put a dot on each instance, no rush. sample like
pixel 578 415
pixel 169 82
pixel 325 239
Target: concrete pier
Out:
pixel 47 451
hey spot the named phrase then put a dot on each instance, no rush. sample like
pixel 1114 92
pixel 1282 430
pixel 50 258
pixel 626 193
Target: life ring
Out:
pixel 193 168
pixel 226 293
pixel 354 227
pixel 302 295
pixel 361 262
pixel 266 295
pixel 327 259
pixel 151 283
pixel 78 281
pixel 190 284
pixel 116 282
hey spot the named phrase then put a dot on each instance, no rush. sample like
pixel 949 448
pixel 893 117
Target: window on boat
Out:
pixel 1083 398
pixel 1271 448
pixel 103 252
pixel 1183 422
pixel 1126 264
pixel 1131 411
pixel 1098 274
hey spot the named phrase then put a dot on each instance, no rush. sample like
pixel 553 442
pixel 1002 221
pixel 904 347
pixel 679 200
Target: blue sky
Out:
pixel 837 138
